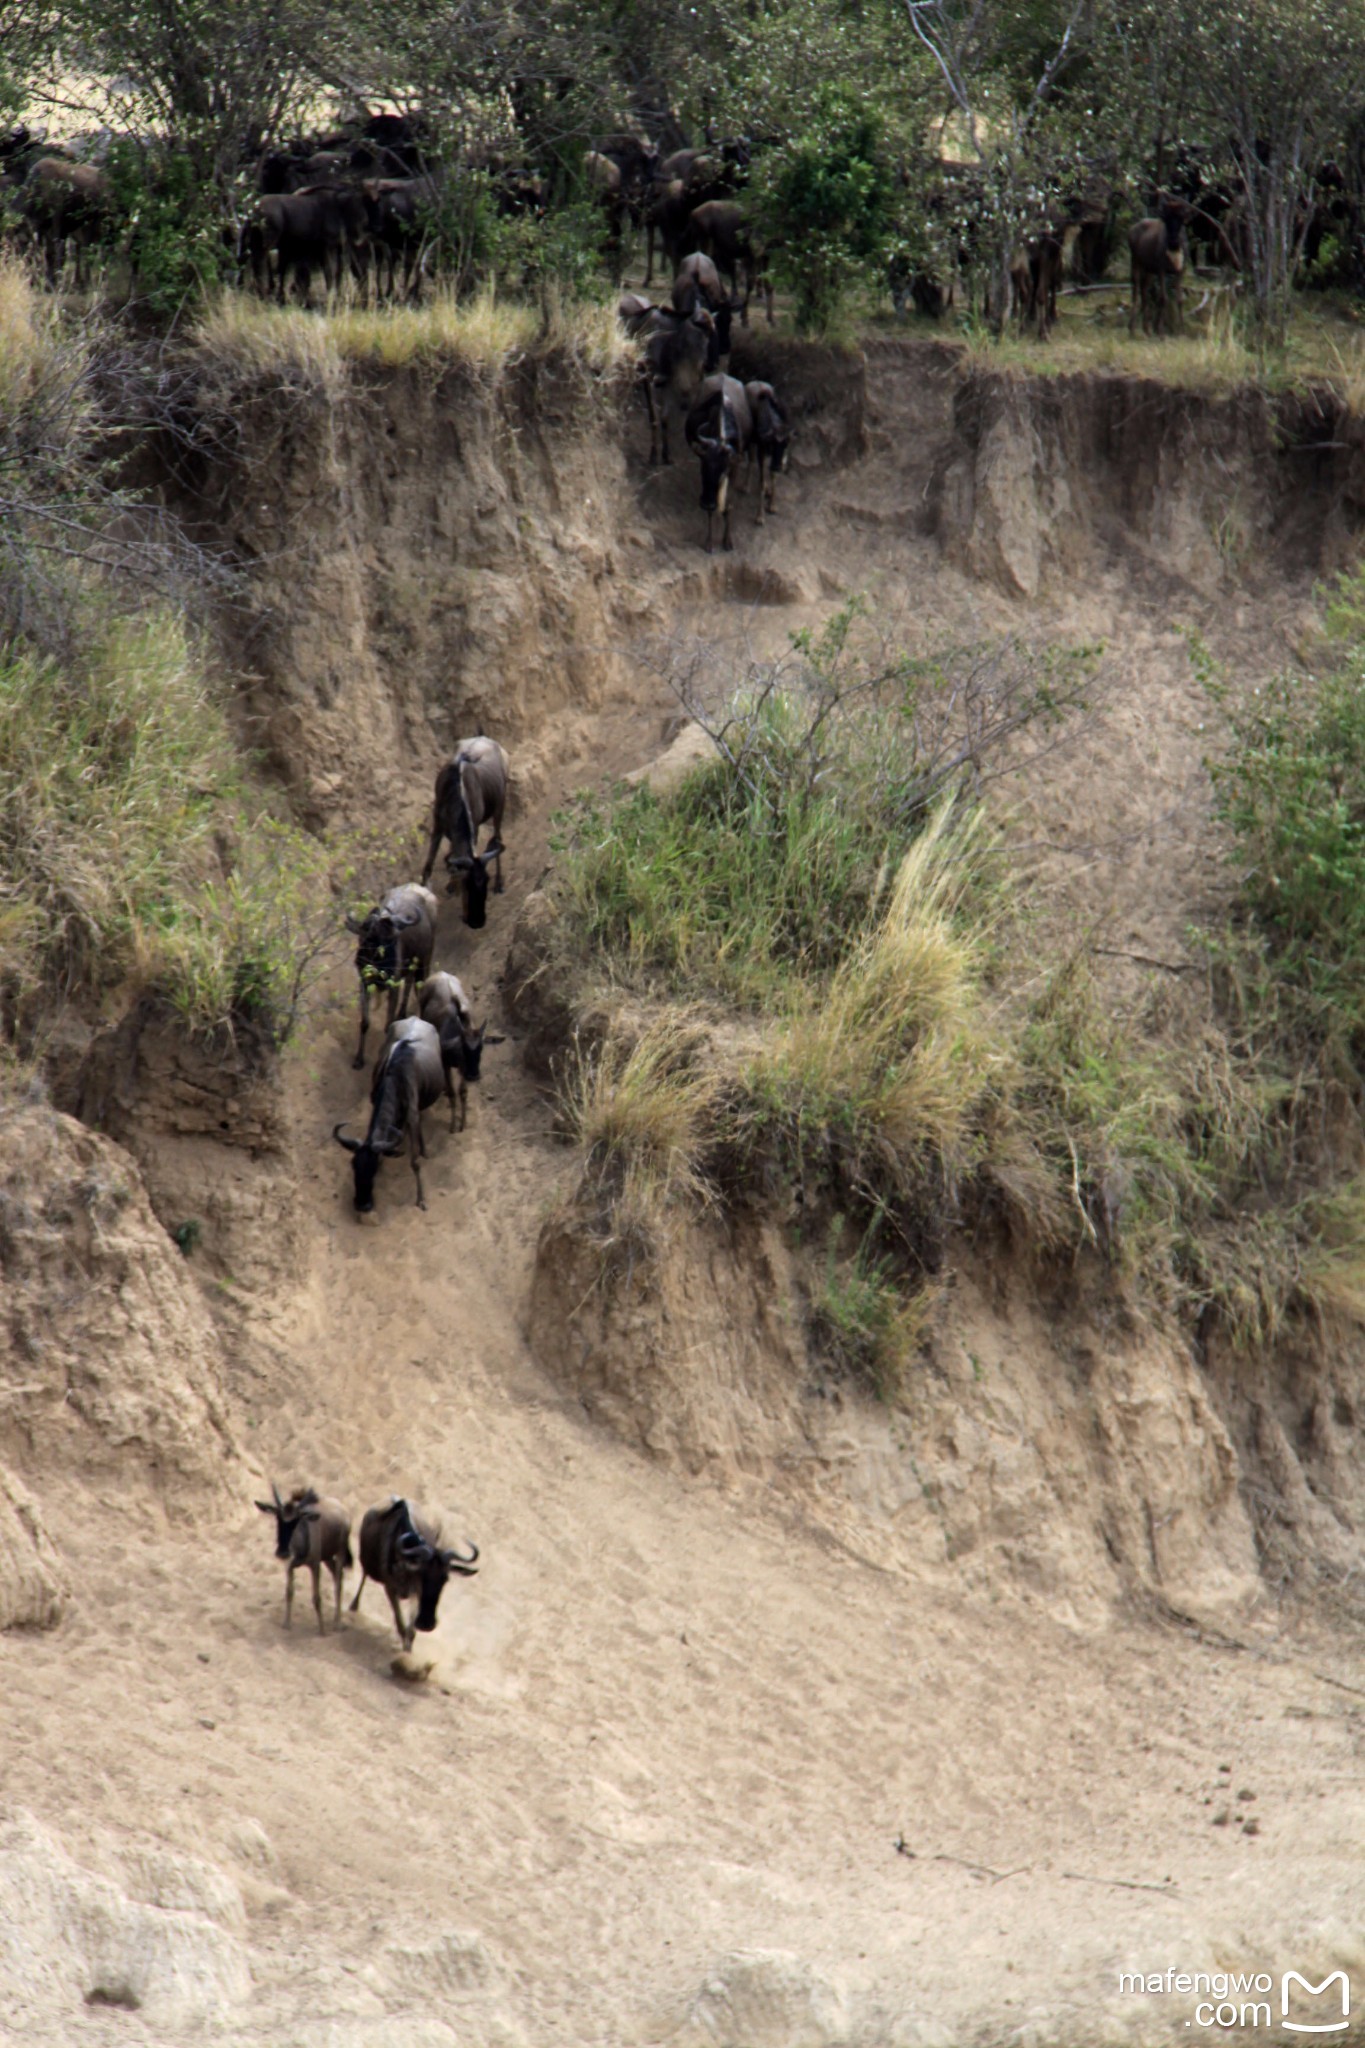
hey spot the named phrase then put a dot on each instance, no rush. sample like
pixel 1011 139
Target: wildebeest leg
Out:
pixel 651 406
pixel 416 1150
pixel 359 1590
pixel 437 835
pixel 359 1059
pixel 405 1633
pixel 316 1570
pixel 759 520
pixel 450 1098
pixel 289 1594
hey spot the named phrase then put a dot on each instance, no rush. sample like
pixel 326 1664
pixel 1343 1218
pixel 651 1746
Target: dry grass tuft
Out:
pixel 896 1054
pixel 484 332
pixel 644 1108
pixel 32 345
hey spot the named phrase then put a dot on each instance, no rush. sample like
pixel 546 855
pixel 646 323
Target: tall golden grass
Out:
pixel 484 331
pixel 897 1051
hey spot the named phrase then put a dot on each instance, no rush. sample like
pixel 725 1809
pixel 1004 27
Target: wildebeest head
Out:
pixel 433 1567
pixel 469 874
pixel 292 1516
pixel 715 452
pixel 377 955
pixel 365 1160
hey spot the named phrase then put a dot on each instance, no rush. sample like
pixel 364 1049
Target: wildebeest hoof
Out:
pixel 413 1669
pixel 358 1062
pixel 728 546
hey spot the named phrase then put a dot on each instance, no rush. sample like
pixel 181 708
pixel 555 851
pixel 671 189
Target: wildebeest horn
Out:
pixel 351 1144
pixel 354 924
pixel 400 924
pixel 412 1545
pixel 495 1038
pixel 456 1562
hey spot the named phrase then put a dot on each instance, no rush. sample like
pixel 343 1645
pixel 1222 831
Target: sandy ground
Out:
pixel 683 1767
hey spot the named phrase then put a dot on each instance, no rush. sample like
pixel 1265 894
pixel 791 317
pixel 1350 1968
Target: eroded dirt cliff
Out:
pixel 738 1637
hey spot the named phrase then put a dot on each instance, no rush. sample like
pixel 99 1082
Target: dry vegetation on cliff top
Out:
pixel 482 331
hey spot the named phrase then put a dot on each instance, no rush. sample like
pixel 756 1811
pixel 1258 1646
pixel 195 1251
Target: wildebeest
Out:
pixel 409 1076
pixel 322 227
pixel 397 939
pixel 471 790
pixel 633 309
pixel 398 216
pixel 719 427
pixel 62 202
pixel 400 1550
pixel 605 182
pixel 1158 248
pixel 443 1002
pixel 698 284
pixel 677 357
pixel 722 233
pixel 769 439
pixel 310 1532
pixel 1035 274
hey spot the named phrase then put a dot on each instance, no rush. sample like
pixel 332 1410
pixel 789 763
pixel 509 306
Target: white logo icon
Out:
pixel 1315 1991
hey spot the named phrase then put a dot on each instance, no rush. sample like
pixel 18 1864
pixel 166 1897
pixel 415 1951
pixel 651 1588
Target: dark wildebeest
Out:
pixel 310 1533
pixel 683 182
pixel 400 1550
pixel 1158 247
pixel 471 790
pixel 633 309
pixel 398 216
pixel 409 1076
pixel 63 203
pixel 678 355
pixel 769 440
pixel 719 427
pixel 397 940
pixel 698 284
pixel 1036 273
pixel 722 233
pixel 604 181
pixel 322 227
pixel 443 1002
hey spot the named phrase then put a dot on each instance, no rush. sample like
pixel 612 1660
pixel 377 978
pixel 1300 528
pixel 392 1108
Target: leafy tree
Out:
pixel 824 203
pixel 1001 72
pixel 1281 78
pixel 215 81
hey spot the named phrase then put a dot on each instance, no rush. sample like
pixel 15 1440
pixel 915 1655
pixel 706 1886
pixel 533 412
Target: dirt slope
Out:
pixel 679 1724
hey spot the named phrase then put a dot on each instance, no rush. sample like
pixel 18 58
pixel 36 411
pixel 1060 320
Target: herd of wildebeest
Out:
pixel 436 1051
pixel 367 201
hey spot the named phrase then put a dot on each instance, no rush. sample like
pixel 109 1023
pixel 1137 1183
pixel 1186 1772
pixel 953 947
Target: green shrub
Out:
pixel 864 1322
pixel 171 225
pixel 239 954
pixel 1291 789
pixel 824 203
pixel 110 778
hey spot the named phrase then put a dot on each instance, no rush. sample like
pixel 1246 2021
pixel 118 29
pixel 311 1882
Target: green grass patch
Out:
pixel 907 1066
pixel 130 852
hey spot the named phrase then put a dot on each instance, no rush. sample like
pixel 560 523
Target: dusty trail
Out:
pixel 671 1724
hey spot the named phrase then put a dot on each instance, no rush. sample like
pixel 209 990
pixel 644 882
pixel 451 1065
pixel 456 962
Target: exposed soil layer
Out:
pixel 772 1717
